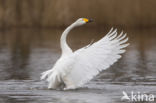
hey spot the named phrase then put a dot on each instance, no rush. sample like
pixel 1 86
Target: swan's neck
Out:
pixel 64 46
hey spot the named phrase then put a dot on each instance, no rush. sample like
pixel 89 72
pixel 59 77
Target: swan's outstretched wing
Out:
pixel 97 57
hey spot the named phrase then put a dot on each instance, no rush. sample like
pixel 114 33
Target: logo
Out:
pixel 137 97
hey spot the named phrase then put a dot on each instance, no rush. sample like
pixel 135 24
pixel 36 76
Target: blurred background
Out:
pixel 30 31
pixel 56 13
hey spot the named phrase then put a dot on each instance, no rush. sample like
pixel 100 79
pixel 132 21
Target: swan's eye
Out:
pixel 85 19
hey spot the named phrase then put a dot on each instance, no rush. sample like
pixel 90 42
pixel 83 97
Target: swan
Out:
pixel 73 69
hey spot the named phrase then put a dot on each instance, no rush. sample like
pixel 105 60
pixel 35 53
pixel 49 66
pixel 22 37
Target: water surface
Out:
pixel 25 53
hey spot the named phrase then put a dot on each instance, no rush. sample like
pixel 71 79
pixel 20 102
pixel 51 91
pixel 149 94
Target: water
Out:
pixel 25 53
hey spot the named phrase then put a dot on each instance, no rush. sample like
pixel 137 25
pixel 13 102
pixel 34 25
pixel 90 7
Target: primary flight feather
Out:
pixel 74 69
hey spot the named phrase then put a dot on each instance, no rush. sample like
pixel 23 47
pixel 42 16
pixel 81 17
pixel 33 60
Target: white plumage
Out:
pixel 74 69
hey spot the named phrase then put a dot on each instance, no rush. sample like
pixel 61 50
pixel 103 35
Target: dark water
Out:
pixel 25 53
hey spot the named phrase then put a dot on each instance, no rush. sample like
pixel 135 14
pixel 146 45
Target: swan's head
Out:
pixel 82 21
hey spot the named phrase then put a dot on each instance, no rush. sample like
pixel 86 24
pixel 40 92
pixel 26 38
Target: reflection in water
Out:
pixel 19 51
pixel 25 53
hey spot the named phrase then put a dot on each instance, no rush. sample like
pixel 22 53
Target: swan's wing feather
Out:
pixel 97 57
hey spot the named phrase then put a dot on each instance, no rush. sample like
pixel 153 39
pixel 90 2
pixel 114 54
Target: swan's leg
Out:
pixel 68 84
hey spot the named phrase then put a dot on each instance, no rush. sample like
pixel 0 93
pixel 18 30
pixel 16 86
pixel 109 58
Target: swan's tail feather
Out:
pixel 52 77
pixel 54 80
pixel 46 74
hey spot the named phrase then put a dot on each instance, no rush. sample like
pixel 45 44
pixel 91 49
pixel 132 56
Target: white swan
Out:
pixel 74 69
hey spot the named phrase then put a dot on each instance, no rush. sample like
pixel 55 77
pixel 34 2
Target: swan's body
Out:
pixel 74 69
